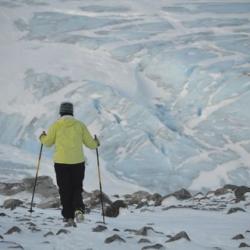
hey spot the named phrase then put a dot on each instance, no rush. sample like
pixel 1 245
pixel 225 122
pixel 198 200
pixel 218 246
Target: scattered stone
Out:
pixel 182 194
pixel 14 229
pixel 156 246
pixel 222 191
pixel 138 197
pixel 235 209
pixel 143 240
pixel 142 204
pixel 31 224
pixel 48 234
pixel 2 214
pixel 120 204
pixel 157 199
pixel 116 230
pixel 93 199
pixel 23 219
pixel 181 235
pixel 44 186
pixel 113 238
pixel 1 237
pixel 11 188
pixel 240 192
pixel 62 231
pixel 10 245
pixel 12 203
pixel 230 186
pixel 243 244
pixel 99 228
pixel 238 237
pixel 113 209
pixel 145 231
pixel 34 229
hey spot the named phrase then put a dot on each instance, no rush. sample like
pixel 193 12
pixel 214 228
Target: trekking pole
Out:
pixel 100 182
pixel 37 170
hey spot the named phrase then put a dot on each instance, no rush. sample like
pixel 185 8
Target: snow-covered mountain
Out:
pixel 165 85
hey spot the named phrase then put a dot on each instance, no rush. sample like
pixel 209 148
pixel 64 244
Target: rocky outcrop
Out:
pixel 235 209
pixel 14 229
pixel 114 208
pixel 12 203
pixel 114 238
pixel 44 186
pixel 181 235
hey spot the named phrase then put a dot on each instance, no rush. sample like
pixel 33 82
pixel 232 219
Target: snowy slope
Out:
pixel 165 84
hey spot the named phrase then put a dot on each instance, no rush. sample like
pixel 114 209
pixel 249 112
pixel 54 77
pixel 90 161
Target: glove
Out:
pixel 43 133
pixel 97 141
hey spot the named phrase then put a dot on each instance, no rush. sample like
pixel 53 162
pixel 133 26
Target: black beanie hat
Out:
pixel 66 108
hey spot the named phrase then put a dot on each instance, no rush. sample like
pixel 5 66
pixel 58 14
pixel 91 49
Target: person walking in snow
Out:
pixel 68 135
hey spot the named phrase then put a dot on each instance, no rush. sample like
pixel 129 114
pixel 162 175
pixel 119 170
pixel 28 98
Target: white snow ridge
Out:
pixel 166 87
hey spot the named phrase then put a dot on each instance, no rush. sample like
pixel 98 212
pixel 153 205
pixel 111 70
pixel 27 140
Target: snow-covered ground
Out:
pixel 205 229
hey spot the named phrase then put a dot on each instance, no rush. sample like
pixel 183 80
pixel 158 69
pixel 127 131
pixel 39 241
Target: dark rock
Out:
pixel 12 203
pixel 222 191
pixel 156 246
pixel 44 186
pixel 31 224
pixel 143 240
pixel 93 199
pixel 1 237
pixel 48 234
pixel 10 245
pixel 120 204
pixel 62 231
pixel 243 244
pixel 181 235
pixel 14 230
pixel 182 194
pixel 238 237
pixel 240 192
pixel 2 214
pixel 113 209
pixel 235 209
pixel 145 231
pixel 139 196
pixel 99 228
pixel 50 203
pixel 116 230
pixel 157 199
pixel 113 238
pixel 142 204
pixel 11 188
pixel 230 186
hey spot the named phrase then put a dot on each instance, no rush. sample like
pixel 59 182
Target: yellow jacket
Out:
pixel 68 134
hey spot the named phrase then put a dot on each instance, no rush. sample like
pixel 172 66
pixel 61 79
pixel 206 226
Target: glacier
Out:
pixel 165 85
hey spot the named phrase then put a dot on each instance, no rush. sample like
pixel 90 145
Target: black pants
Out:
pixel 69 179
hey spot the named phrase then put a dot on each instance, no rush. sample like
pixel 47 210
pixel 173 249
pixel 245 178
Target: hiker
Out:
pixel 68 135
